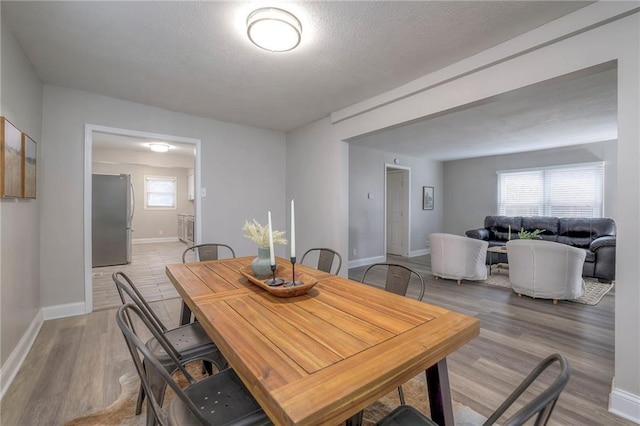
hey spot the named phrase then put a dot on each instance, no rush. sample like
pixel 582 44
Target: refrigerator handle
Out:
pixel 133 203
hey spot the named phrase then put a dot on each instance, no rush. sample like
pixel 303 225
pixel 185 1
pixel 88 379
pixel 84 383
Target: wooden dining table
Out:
pixel 322 357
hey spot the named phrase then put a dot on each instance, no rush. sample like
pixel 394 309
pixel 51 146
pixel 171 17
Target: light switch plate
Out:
pixel 203 192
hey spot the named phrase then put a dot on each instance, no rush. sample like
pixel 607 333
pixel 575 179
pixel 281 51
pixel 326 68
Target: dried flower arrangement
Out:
pixel 260 234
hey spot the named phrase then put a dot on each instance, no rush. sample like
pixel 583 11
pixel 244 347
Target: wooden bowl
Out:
pixel 285 273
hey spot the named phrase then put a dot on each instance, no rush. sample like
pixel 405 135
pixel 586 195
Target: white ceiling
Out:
pixel 127 143
pixel 570 110
pixel 195 58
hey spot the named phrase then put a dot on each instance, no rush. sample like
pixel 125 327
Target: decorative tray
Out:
pixel 283 272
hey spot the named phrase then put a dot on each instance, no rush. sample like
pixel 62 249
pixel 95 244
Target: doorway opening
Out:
pixel 397 238
pixel 150 229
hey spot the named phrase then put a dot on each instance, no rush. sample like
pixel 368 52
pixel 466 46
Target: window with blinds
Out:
pixel 159 192
pixel 566 191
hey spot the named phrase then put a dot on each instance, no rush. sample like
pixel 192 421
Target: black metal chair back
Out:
pixel 124 285
pixel 237 406
pixel 203 252
pixel 326 256
pixel 398 278
pixel 541 406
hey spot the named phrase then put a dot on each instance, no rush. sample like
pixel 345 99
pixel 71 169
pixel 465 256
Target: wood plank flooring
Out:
pixel 74 365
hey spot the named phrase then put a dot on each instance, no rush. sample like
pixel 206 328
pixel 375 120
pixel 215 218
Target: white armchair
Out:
pixel 459 258
pixel 546 270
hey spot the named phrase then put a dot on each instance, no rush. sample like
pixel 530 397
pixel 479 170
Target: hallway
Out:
pixel 146 270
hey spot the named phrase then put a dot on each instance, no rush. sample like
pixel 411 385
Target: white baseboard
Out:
pixel 367 261
pixel 416 253
pixel 63 311
pixel 625 405
pixel 155 240
pixel 16 358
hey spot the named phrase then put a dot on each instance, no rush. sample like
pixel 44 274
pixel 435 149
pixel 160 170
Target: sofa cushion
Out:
pixel 549 225
pixel 498 226
pixel 580 232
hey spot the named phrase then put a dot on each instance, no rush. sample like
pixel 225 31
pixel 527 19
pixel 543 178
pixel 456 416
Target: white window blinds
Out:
pixel 160 192
pixel 565 191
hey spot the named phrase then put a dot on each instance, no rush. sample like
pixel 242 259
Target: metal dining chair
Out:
pixel 203 252
pixel 326 256
pixel 189 341
pixel 540 406
pixel 200 253
pixel 220 399
pixel 398 278
pixel 397 281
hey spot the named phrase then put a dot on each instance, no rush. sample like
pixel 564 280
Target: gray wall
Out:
pixel 152 223
pixel 21 103
pixel 243 169
pixel 366 216
pixel 471 186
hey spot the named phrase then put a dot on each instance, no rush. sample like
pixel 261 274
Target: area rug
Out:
pixel 121 412
pixel 594 291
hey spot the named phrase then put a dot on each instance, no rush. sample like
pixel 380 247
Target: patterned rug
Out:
pixel 121 412
pixel 594 291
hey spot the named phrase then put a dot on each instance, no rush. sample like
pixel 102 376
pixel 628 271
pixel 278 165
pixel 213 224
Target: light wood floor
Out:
pixel 74 365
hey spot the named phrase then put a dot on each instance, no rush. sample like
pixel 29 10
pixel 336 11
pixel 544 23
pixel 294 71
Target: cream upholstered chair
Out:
pixel 459 258
pixel 546 270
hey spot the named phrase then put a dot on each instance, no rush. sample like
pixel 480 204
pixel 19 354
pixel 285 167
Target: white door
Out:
pixel 396 215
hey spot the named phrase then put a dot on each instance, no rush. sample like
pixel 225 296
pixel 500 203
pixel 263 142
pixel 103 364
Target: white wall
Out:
pixel 560 47
pixel 149 223
pixel 471 185
pixel 366 216
pixel 21 103
pixel 243 170
pixel 317 177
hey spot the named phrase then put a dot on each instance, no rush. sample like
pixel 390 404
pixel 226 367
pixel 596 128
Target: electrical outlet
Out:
pixel 355 252
pixel 160 232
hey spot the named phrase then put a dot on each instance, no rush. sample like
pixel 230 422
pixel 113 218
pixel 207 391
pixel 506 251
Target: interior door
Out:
pixel 396 215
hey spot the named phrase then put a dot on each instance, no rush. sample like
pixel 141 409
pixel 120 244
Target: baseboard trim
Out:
pixel 155 240
pixel 63 311
pixel 367 261
pixel 422 252
pixel 625 405
pixel 12 365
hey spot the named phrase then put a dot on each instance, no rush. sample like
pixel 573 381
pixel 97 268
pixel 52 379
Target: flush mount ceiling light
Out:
pixel 159 147
pixel 274 29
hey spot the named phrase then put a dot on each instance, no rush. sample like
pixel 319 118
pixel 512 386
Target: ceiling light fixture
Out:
pixel 159 147
pixel 274 29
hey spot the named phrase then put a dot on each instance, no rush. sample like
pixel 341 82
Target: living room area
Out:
pixel 339 185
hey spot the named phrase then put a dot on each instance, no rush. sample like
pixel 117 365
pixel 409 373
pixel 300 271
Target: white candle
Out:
pixel 271 253
pixel 293 230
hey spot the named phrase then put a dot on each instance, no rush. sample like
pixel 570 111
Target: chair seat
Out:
pixel 184 338
pixel 222 400
pixel 405 415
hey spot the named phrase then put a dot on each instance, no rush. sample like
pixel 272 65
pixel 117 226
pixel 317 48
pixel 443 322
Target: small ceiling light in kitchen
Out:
pixel 274 29
pixel 159 147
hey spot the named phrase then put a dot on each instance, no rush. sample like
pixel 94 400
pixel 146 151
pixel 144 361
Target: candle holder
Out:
pixel 293 281
pixel 274 281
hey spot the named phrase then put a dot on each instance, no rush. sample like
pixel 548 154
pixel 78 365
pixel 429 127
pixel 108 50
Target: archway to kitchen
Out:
pixel 125 154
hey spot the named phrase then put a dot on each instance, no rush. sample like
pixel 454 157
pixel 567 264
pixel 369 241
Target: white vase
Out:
pixel 261 265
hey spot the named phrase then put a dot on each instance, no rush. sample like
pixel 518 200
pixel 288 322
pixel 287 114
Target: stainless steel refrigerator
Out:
pixel 113 205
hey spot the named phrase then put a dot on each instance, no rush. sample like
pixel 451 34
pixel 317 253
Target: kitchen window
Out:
pixel 160 192
pixel 575 190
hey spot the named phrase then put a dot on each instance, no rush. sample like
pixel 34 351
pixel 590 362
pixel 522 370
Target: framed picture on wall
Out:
pixel 427 198
pixel 10 160
pixel 28 167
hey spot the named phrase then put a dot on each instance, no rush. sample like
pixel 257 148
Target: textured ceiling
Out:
pixel 195 58
pixel 573 109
